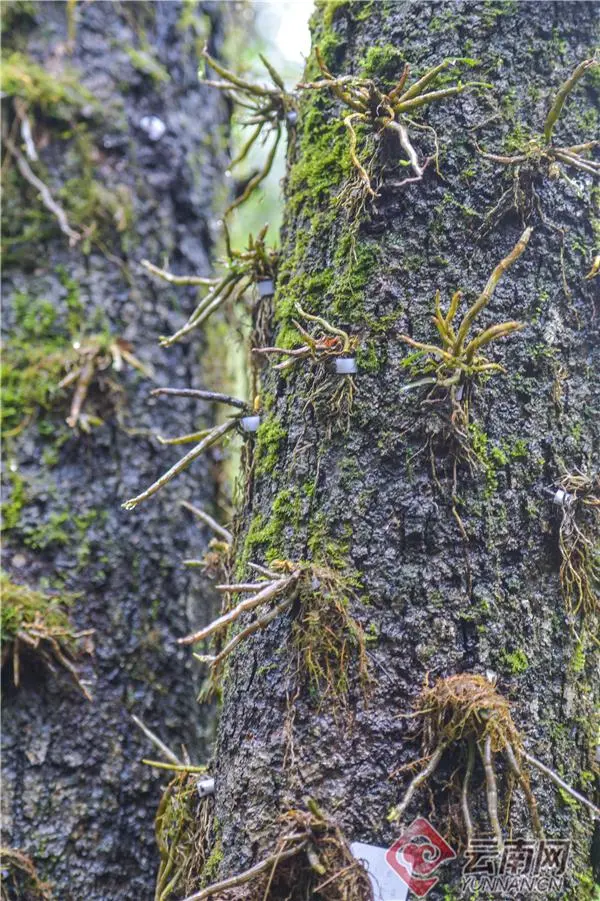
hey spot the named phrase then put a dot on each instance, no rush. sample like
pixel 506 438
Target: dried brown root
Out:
pixel 326 634
pixel 578 544
pixel 19 877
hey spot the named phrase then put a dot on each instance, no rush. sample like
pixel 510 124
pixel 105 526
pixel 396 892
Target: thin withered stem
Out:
pixel 256 567
pixel 214 436
pixel 209 521
pixel 156 741
pixel 261 623
pixel 241 83
pixel 222 289
pixel 176 767
pixel 177 279
pixel 561 783
pixel 202 395
pixel 247 875
pixel 272 589
pixel 213 300
pixel 259 177
pixel 184 439
pixel 86 376
pixel 243 587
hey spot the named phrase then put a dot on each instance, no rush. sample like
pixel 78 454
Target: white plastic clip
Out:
pixel 266 287
pixel 205 787
pixel 562 498
pixel 250 423
pixel 345 365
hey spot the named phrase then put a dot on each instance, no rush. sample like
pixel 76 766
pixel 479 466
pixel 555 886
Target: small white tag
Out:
pixel 387 886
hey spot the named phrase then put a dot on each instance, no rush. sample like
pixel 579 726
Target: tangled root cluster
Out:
pixel 19 877
pixel 466 706
pixel 466 711
pixel 578 543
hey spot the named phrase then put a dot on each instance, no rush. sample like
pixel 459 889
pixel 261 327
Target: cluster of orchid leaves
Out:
pixel 458 357
pixel 389 111
pixel 541 152
pixel 267 109
pixel 328 342
pixel 243 268
pixel 542 147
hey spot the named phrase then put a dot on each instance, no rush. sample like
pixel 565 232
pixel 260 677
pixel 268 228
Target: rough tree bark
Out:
pixel 375 503
pixel 76 797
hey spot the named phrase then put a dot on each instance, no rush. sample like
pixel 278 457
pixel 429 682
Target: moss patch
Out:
pixel 39 623
pixel 269 439
pixel 384 63
pixel 56 95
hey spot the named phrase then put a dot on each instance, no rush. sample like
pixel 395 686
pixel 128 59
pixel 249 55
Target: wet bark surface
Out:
pixel 366 501
pixel 76 797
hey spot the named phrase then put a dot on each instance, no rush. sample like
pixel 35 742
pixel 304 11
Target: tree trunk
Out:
pixel 129 147
pixel 446 547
